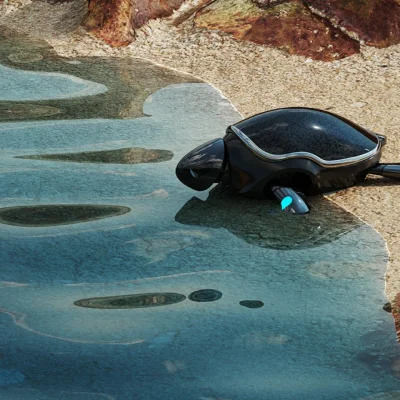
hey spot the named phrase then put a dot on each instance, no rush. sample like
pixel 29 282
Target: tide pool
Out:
pixel 144 289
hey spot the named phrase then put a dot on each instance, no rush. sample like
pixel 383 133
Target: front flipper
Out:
pixel 290 201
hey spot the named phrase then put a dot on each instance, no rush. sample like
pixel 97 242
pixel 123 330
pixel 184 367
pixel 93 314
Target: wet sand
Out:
pixel 363 88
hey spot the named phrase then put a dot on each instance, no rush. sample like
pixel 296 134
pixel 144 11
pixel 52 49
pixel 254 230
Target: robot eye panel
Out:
pixel 294 130
pixel 202 167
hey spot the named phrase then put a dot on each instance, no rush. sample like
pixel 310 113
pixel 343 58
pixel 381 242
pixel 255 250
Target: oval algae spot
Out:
pixel 59 214
pixel 252 303
pixel 10 112
pixel 131 155
pixel 143 300
pixel 25 58
pixel 205 295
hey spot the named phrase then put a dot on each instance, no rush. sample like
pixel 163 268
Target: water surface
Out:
pixel 186 295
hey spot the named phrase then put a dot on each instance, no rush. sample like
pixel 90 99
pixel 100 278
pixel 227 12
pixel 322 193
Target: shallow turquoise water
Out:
pixel 321 334
pixel 26 85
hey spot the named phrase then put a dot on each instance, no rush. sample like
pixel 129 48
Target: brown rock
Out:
pixel 145 10
pixel 188 8
pixel 377 22
pixel 115 21
pixel 290 25
pixel 110 21
pixel 396 314
pixel 269 3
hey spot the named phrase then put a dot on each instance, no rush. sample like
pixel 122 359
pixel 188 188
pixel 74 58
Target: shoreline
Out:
pixel 363 88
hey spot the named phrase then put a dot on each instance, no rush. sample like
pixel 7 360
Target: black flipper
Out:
pixel 290 201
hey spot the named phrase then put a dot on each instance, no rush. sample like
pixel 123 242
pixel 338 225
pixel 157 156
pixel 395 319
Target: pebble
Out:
pixel 359 104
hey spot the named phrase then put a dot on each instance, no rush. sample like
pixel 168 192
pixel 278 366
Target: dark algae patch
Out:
pixel 11 111
pixel 252 303
pixel 131 155
pixel 205 295
pixel 129 80
pixel 143 300
pixel 61 214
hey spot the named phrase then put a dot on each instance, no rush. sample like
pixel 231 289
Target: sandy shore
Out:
pixel 363 88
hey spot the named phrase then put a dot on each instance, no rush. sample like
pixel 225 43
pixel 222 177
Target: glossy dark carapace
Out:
pixel 287 154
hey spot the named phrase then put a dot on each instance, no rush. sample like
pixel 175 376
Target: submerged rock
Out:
pixel 59 214
pixel 205 295
pixel 387 307
pixel 131 301
pixel 132 155
pixel 396 314
pixel 290 25
pixel 252 303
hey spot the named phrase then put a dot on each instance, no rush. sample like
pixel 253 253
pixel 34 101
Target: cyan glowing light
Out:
pixel 287 201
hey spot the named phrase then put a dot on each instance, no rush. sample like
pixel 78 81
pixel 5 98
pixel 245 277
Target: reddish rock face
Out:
pixel 396 314
pixel 377 22
pixel 269 3
pixel 114 21
pixel 111 21
pixel 290 25
pixel 321 29
pixel 145 10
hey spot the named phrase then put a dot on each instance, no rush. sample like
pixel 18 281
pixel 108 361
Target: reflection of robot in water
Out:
pixel 260 223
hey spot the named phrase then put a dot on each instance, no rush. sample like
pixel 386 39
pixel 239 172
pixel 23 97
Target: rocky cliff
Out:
pixel 321 29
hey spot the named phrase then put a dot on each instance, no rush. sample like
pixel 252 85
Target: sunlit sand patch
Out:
pixel 19 320
pixel 341 270
pixel 162 340
pixel 159 193
pixel 58 214
pixel 121 173
pixel 143 300
pixel 259 339
pixel 158 247
pixel 37 394
pixel 153 278
pixel 174 366
pixel 384 396
pixel 76 232
pixel 132 155
pixel 73 62
pixel 5 284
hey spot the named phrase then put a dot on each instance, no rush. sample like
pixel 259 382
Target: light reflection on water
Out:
pixel 270 307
